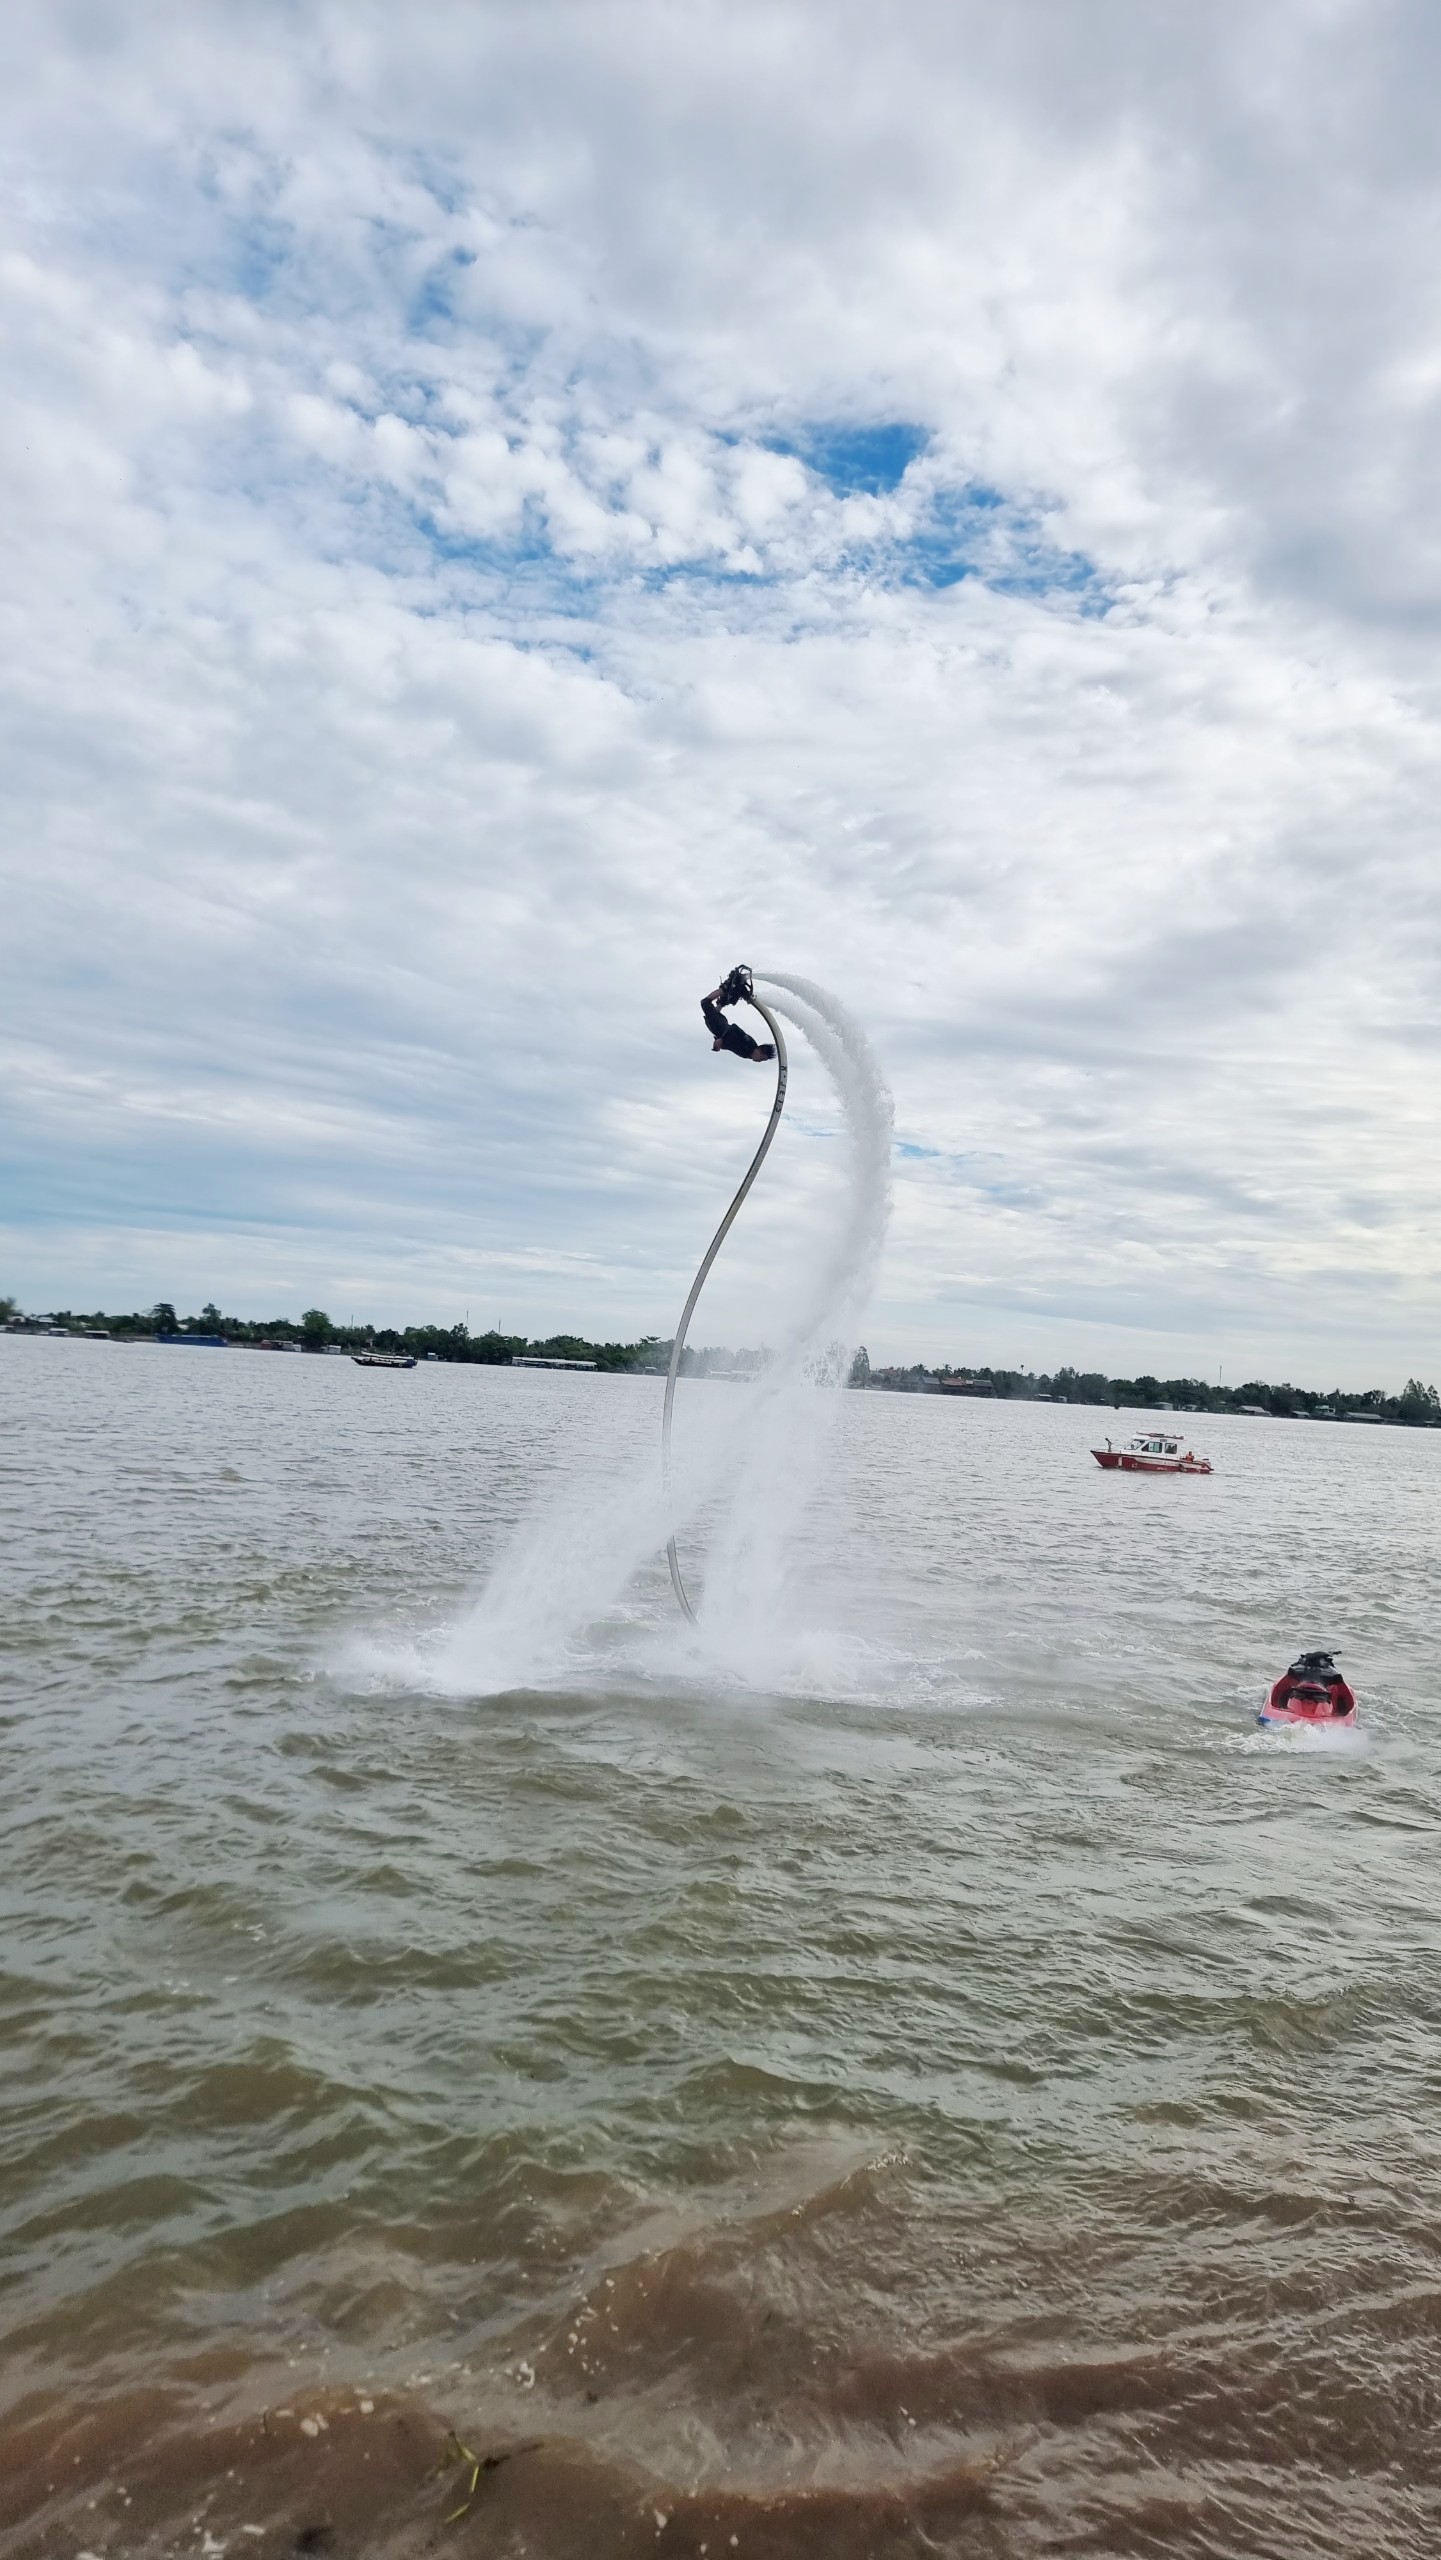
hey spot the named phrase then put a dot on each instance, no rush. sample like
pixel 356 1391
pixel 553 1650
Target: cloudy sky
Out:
pixel 514 506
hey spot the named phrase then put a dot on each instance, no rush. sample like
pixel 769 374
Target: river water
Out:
pixel 909 2069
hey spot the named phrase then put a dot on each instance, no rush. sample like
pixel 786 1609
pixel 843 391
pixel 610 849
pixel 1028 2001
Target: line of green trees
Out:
pixel 317 1331
pixel 1416 1403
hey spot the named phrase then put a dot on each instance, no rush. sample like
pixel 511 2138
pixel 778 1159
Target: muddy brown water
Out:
pixel 914 2070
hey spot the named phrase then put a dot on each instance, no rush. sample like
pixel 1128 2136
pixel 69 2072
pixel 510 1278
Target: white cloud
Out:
pixel 454 610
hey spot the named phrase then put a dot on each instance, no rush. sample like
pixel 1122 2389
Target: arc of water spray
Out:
pixel 717 1240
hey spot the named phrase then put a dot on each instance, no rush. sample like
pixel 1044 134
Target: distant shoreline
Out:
pixel 1417 1406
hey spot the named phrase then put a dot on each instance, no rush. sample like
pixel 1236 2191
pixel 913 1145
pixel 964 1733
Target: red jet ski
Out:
pixel 1311 1692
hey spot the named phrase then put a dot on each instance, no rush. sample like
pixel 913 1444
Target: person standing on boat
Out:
pixel 729 1035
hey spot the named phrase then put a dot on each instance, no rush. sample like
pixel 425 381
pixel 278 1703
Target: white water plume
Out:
pixel 748 1612
pixel 748 1465
pixel 566 1566
pixel 844 1282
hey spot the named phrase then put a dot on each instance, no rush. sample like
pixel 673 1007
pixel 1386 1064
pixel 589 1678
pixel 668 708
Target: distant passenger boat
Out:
pixel 1153 1453
pixel 383 1359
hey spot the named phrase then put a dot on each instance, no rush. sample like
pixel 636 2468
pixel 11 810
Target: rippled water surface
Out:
pixel 909 2069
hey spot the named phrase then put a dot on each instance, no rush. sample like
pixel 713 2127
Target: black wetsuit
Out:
pixel 729 1034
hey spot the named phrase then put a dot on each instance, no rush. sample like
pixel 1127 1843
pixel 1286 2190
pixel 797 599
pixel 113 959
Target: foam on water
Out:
pixel 1341 1742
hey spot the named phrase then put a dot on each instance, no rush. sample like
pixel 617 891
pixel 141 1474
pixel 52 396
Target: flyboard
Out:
pixel 717 1240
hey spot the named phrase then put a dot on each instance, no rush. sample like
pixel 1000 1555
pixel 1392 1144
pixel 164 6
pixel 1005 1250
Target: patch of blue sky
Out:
pixel 436 172
pixel 1041 571
pixel 527 569
pixel 432 304
pixel 970 533
pixel 707 569
pixel 527 550
pixel 856 461
pixel 262 257
pixel 976 532
pixel 1014 1195
pixel 257 259
pixel 341 520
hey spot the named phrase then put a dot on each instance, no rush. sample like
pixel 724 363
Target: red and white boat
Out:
pixel 1153 1453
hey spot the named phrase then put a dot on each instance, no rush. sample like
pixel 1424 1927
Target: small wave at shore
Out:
pixel 812 2369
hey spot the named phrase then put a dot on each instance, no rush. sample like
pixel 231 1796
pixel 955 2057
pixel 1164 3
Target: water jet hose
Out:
pixel 717 1240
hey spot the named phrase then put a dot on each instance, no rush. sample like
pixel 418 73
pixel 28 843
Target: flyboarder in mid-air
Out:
pixel 736 989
